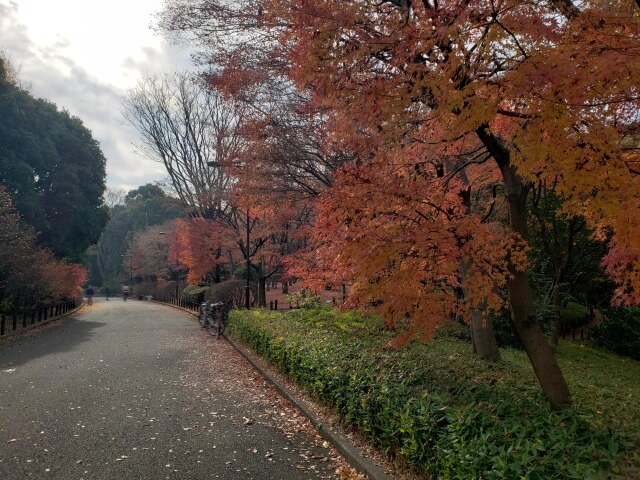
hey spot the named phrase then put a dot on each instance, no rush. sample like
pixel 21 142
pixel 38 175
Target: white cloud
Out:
pixel 83 55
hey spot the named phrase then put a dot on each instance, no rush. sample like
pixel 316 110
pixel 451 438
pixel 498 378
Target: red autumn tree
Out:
pixel 201 244
pixel 547 89
pixel 541 91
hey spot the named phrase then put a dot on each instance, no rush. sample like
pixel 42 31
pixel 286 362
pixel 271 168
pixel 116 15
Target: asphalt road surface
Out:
pixel 135 390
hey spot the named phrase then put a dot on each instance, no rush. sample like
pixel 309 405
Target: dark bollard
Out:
pixel 271 305
pixel 275 303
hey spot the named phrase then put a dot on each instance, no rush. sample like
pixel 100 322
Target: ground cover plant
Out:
pixel 449 416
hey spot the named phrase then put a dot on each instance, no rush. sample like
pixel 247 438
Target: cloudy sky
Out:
pixel 83 55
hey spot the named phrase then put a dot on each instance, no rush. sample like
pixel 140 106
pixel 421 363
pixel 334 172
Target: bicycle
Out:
pixel 211 318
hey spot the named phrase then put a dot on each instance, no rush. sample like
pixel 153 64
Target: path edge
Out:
pixel 340 441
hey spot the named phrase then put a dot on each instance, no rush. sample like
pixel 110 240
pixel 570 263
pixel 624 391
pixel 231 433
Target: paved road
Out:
pixel 133 390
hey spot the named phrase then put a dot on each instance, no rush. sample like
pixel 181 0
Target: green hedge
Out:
pixel 433 406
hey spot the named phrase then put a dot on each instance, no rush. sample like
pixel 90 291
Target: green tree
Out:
pixel 29 274
pixel 143 208
pixel 53 169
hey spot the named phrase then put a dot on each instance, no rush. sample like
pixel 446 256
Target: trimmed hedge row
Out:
pixel 439 411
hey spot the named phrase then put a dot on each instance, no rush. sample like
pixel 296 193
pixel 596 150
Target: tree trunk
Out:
pixel 555 305
pixel 538 349
pixel 262 292
pixel 523 316
pixel 483 336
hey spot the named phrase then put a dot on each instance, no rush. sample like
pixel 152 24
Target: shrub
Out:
pixel 304 299
pixel 194 293
pixel 231 293
pixel 506 334
pixel 444 414
pixel 573 315
pixel 165 290
pixel 619 332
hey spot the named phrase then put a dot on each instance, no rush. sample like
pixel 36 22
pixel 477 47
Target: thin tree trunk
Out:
pixel 523 317
pixel 483 335
pixel 262 292
pixel 555 305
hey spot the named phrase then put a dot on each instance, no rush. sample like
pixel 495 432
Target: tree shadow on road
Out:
pixel 60 336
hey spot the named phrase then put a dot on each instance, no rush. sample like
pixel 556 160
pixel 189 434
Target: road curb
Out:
pixel 340 441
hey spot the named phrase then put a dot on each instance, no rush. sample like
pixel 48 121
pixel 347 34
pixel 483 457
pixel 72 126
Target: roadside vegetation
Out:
pixel 448 415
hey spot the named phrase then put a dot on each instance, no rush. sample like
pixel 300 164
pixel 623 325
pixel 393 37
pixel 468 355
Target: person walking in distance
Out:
pixel 89 292
pixel 125 292
pixel 107 292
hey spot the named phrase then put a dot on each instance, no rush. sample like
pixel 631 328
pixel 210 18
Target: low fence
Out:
pixel 179 302
pixel 27 319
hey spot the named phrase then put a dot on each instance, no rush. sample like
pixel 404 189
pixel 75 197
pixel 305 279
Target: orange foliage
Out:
pixel 401 239
pixel 559 89
pixel 197 245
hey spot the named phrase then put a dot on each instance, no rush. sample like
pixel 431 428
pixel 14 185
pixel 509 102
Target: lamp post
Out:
pixel 247 303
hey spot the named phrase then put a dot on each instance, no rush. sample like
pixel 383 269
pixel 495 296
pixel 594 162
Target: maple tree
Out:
pixel 547 89
pixel 202 244
pixel 461 98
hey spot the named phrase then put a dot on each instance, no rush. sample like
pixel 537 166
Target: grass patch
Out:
pixel 448 415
